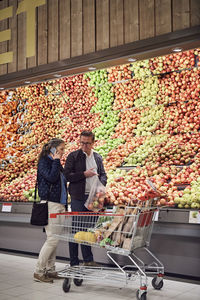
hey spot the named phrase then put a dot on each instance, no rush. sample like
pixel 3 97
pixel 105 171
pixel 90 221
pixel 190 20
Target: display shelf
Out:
pixel 127 168
pixel 15 218
pixel 62 86
pixel 172 241
pixel 181 187
pixel 175 215
pixel 21 212
pixel 176 230
pixel 123 167
pixel 148 76
pixel 17 208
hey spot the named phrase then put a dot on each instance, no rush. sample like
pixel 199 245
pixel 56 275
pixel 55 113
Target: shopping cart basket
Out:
pixel 125 232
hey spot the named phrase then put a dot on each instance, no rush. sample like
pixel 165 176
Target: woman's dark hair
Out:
pixel 46 148
pixel 88 133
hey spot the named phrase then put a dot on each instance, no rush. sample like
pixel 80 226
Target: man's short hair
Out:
pixel 89 134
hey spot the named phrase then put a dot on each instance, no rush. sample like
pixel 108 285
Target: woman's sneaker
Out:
pixel 42 278
pixel 53 275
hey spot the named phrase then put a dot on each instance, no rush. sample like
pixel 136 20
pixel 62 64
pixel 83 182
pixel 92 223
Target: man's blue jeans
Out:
pixel 78 206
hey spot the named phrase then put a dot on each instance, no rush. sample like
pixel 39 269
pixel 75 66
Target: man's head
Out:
pixel 87 139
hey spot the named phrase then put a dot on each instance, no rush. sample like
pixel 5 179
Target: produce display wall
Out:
pixel 146 118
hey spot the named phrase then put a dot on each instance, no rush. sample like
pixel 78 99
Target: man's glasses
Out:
pixel 85 144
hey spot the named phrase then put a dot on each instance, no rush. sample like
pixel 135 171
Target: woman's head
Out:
pixel 54 143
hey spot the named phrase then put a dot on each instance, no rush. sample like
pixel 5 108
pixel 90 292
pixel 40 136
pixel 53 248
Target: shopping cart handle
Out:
pixel 83 213
pixel 98 214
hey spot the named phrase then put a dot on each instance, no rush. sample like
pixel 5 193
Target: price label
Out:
pixel 6 207
pixel 156 214
pixel 194 216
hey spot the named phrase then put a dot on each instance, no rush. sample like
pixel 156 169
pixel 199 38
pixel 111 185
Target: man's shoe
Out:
pixel 91 264
pixel 42 278
pixel 54 275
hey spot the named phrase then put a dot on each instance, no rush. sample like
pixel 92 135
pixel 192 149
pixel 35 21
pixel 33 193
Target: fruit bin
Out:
pixel 144 114
pixel 120 233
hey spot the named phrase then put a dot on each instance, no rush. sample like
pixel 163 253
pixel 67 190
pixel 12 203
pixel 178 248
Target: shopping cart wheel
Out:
pixel 142 297
pixel 156 283
pixel 66 285
pixel 78 282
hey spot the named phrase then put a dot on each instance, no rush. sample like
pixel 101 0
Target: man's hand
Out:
pixel 90 173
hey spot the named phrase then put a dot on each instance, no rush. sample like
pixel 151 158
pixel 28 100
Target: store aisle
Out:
pixel 16 282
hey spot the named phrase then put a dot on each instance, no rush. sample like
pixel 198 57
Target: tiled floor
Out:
pixel 16 282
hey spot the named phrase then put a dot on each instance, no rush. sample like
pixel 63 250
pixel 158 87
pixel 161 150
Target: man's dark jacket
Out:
pixel 74 169
pixel 49 179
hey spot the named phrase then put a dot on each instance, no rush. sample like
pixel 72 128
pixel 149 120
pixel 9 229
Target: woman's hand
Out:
pixel 57 155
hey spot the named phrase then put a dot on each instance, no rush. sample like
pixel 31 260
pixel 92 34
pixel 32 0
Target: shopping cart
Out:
pixel 126 233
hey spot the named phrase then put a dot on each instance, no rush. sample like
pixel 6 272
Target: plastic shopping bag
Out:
pixel 95 200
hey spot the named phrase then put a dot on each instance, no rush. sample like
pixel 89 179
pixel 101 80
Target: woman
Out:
pixel 51 188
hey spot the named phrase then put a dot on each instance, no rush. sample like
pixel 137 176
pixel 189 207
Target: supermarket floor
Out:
pixel 16 282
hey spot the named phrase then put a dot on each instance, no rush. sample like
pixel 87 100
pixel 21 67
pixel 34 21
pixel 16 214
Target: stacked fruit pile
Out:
pixel 190 197
pixel 119 73
pixel 128 120
pixel 173 62
pixel 126 93
pixel 145 116
pixel 177 150
pixel 181 86
pixel 15 190
pixel 180 118
pixel 149 118
pixel 79 99
pixel 148 94
pixel 141 69
pixel 129 189
pixel 117 155
pixel 140 154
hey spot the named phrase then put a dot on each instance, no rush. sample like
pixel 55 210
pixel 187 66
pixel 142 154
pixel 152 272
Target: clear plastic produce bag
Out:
pixel 95 200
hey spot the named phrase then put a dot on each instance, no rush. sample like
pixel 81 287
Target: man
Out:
pixel 80 169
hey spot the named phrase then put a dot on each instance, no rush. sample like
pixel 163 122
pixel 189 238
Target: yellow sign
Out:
pixel 5 35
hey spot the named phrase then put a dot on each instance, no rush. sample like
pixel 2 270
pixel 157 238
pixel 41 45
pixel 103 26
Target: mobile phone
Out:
pixel 53 150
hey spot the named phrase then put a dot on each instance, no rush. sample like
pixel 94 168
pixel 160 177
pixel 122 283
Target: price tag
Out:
pixel 156 214
pixel 194 216
pixel 6 207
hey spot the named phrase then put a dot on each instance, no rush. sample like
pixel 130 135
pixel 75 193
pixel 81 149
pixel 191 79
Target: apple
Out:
pixel 119 73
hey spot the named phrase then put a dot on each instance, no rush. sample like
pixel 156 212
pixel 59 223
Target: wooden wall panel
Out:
pixel 42 35
pixel 88 26
pixel 12 44
pixel 116 23
pixel 195 12
pixel 64 27
pixel 163 16
pixel 102 24
pixel 32 61
pixel 52 30
pixel 76 28
pixel 181 14
pixel 70 28
pixel 147 26
pixel 21 40
pixel 131 21
pixel 3 45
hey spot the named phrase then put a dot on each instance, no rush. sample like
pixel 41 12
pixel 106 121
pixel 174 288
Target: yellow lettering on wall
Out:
pixel 6 57
pixel 6 13
pixel 29 7
pixel 5 35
